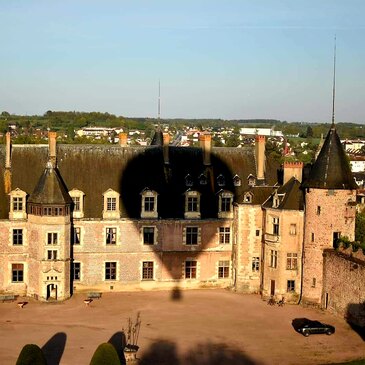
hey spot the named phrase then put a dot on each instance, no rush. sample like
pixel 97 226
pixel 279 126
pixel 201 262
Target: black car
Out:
pixel 307 327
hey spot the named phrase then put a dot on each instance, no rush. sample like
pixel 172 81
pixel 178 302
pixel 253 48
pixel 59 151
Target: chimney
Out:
pixel 8 151
pixel 166 141
pixel 206 145
pixel 123 139
pixel 260 157
pixel 52 147
pixel 7 172
pixel 292 169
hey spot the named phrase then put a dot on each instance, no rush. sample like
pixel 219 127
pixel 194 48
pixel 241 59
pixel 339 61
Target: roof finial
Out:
pixel 334 86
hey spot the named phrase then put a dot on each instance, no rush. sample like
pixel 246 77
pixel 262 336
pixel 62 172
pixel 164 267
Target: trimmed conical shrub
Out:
pixel 31 355
pixel 105 354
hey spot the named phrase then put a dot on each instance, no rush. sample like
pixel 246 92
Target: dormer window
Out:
pixel 111 204
pixel 247 198
pixel 188 180
pixel 221 181
pixel 192 204
pixel 78 203
pixel 251 180
pixel 149 204
pixel 203 180
pixel 277 199
pixel 236 180
pixel 17 204
pixel 225 205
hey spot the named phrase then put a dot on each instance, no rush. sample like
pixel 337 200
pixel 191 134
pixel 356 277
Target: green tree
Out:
pixel 105 354
pixel 309 133
pixel 31 355
pixel 360 228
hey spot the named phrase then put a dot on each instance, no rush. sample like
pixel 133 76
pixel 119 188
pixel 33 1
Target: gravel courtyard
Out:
pixel 206 327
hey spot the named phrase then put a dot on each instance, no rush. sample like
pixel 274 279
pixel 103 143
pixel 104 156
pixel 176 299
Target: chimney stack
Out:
pixel 206 145
pixel 7 172
pixel 123 139
pixel 166 142
pixel 260 157
pixel 52 147
pixel 292 169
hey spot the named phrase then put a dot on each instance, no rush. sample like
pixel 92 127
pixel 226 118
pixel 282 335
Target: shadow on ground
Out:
pixel 165 352
pixel 355 317
pixel 54 347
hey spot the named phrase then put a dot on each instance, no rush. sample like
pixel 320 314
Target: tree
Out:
pixel 309 133
pixel 31 355
pixel 105 354
pixel 360 228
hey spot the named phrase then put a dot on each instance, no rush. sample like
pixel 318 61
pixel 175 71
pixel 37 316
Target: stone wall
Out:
pixel 343 284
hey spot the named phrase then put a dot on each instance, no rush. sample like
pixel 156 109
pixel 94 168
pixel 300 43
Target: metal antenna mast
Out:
pixel 334 86
pixel 159 100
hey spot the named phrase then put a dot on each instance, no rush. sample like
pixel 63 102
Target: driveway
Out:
pixel 205 327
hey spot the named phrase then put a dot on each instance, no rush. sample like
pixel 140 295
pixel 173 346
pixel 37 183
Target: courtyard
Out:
pixel 206 327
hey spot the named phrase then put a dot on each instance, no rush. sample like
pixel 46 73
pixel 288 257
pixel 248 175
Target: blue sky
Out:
pixel 231 59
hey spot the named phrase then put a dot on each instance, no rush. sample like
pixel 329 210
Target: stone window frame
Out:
pixel 51 255
pixel 293 229
pixel 111 270
pixel 203 180
pixel 247 197
pixel 79 271
pixel 222 196
pixel 189 180
pixel 292 261
pixel 223 233
pixel 106 233
pixel 237 181
pixel 193 270
pixel 275 224
pixel 52 238
pixel 148 193
pixel 146 270
pixel 74 235
pixel 251 180
pixel 22 270
pixel 224 267
pixel 192 214
pixel 187 233
pixel 221 180
pixel 80 195
pixel 290 286
pixel 15 214
pixel 255 264
pixel 155 235
pixel 273 259
pixel 24 236
pixel 111 213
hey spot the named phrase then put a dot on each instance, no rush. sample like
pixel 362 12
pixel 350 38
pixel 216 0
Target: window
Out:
pixel 148 235
pixel 224 235
pixel 314 282
pixel 111 236
pixel 273 258
pixel 293 229
pixel 76 236
pixel 192 235
pixel 255 264
pixel 149 203
pixel 52 238
pixel 192 204
pixel 17 204
pixel 190 269
pixel 318 210
pixel 188 180
pixel 17 237
pixel 236 180
pixel 111 204
pixel 76 271
pixel 17 273
pixel 51 254
pixel 110 271
pixel 247 198
pixel 226 204
pixel 223 269
pixel 290 286
pixel 221 181
pixel 275 226
pixel 76 201
pixel 291 261
pixel 147 270
pixel 257 232
pixel 312 237
pixel 203 180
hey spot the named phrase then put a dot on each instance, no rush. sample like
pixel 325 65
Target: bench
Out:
pixel 8 298
pixel 94 295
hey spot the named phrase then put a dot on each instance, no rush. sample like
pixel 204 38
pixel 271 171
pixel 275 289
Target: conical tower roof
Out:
pixel 50 189
pixel 331 169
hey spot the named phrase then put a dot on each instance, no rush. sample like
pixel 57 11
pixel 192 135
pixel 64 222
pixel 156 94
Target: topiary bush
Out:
pixel 31 355
pixel 105 354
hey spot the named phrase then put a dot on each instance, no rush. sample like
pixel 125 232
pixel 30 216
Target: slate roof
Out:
pixel 290 195
pixel 259 194
pixel 331 169
pixel 94 169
